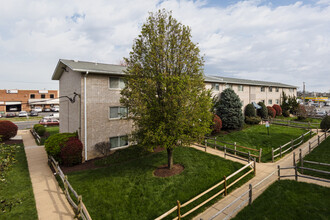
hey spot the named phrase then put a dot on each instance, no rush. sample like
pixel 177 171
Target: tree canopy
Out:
pixel 164 86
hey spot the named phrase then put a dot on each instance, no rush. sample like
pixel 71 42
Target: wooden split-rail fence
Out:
pixel 235 150
pixel 223 191
pixel 296 124
pixel 78 206
pixel 36 136
pixel 289 146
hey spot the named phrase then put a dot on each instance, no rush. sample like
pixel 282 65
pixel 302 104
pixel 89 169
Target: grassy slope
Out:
pixel 18 189
pixel 319 154
pixel 130 191
pixel 288 199
pixel 51 130
pixel 313 120
pixel 256 137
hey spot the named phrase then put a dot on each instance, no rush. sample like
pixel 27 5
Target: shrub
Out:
pixel 278 109
pixel 7 130
pixel 263 112
pixel 40 129
pixel 252 120
pixel 71 153
pixel 249 111
pixel 301 113
pixel 230 110
pixel 55 142
pixel 271 112
pixel 286 113
pixel 217 124
pixel 325 123
pixel 103 147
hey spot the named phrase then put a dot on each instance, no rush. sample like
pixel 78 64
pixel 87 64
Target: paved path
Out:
pixel 263 170
pixel 50 200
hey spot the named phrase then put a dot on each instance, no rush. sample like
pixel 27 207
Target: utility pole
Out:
pixel 304 92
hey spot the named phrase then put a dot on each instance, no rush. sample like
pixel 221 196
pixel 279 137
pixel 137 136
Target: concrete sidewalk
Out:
pixel 262 171
pixel 50 200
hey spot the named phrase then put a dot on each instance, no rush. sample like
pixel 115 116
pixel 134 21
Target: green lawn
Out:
pixel 256 137
pixel 129 190
pixel 16 119
pixel 319 154
pixel 312 120
pixel 16 195
pixel 288 199
pixel 51 130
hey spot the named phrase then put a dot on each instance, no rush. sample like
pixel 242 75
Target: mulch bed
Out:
pixel 163 170
pixel 10 142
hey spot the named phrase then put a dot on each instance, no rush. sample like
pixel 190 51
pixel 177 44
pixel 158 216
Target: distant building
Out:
pixel 15 100
pixel 97 115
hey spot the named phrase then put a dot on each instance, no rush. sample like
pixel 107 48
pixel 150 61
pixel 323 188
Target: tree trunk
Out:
pixel 170 158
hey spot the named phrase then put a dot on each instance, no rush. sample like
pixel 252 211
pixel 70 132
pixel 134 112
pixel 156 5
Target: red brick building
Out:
pixel 14 100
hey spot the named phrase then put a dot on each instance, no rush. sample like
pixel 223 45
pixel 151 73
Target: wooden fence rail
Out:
pixel 288 146
pixel 35 135
pixel 213 142
pixel 297 124
pixel 223 191
pixel 80 208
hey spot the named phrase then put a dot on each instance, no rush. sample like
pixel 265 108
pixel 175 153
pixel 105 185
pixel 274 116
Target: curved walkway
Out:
pixel 262 171
pixel 50 200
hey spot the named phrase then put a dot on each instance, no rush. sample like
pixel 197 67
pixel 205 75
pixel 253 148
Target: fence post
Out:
pixel 254 166
pixel 309 146
pixel 291 144
pixel 301 161
pixel 179 206
pixel 279 172
pixel 295 166
pixel 309 125
pixel 272 155
pixel 79 206
pixel 250 194
pixel 260 152
pixel 318 140
pixel 249 157
pixel 215 147
pixel 235 148
pixel 225 149
pixel 225 184
pixel 205 142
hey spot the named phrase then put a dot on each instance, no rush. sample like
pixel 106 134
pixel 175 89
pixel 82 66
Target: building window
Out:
pixel 270 101
pixel 116 83
pixel 229 86
pixel 262 89
pixel 277 101
pixel 32 96
pixel 43 96
pixel 215 86
pixel 51 96
pixel 277 89
pixel 270 89
pixel 119 141
pixel 118 112
pixel 240 87
pixel 263 101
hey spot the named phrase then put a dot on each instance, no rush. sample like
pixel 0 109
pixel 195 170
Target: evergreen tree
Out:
pixel 263 112
pixel 230 110
pixel 164 91
pixel 249 110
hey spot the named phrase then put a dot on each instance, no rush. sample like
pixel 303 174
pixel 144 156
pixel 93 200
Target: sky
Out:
pixel 283 41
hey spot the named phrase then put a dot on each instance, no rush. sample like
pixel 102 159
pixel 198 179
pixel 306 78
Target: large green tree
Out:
pixel 164 91
pixel 229 109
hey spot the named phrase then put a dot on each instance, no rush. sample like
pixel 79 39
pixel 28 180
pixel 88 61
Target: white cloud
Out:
pixel 248 39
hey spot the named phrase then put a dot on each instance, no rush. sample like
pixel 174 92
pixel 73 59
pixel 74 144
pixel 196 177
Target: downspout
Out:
pixel 85 115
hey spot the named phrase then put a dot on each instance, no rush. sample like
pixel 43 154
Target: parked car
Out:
pixel 22 114
pixel 53 115
pixel 55 108
pixel 13 109
pixel 37 109
pixel 33 113
pixel 46 109
pixel 321 113
pixel 10 114
pixel 49 121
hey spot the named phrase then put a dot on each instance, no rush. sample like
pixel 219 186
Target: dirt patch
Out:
pixel 88 165
pixel 11 142
pixel 163 171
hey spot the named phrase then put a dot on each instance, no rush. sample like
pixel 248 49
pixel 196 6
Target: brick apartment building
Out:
pixel 14 100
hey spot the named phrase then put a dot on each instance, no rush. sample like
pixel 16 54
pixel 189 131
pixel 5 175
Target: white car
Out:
pixel 55 108
pixel 22 114
pixel 37 109
pixel 53 116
